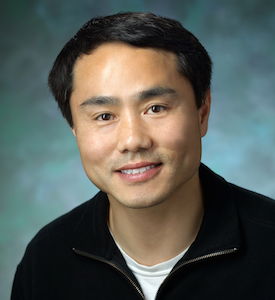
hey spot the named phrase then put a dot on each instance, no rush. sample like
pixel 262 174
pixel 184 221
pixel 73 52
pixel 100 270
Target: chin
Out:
pixel 140 202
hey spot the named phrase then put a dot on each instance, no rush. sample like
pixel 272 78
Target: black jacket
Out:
pixel 75 257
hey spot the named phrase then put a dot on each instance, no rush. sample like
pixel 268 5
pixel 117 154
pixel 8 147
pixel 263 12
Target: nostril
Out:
pixel 134 140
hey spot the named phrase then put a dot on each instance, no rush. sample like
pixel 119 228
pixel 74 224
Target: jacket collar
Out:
pixel 220 226
pixel 219 230
pixel 91 234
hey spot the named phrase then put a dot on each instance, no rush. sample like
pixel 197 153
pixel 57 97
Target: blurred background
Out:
pixel 41 172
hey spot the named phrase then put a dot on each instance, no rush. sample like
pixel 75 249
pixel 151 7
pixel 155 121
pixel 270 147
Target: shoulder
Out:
pixel 62 223
pixel 60 231
pixel 254 207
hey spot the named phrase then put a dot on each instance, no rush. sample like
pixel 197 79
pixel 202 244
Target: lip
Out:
pixel 137 165
pixel 136 178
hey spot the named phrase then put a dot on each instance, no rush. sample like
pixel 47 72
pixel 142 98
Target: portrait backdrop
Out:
pixel 41 171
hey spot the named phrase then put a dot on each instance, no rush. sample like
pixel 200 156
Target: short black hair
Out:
pixel 145 30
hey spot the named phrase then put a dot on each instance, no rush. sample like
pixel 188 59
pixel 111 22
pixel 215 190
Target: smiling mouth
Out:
pixel 138 170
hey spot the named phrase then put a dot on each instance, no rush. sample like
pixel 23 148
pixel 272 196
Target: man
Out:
pixel 135 90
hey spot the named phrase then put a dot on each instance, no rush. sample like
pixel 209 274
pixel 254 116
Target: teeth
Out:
pixel 137 171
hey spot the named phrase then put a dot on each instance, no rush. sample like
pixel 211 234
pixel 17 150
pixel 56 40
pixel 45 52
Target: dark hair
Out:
pixel 144 30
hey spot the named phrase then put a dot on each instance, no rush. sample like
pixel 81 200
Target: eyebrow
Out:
pixel 140 96
pixel 101 100
pixel 154 92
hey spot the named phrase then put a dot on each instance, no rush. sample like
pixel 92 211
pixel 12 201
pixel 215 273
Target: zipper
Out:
pixel 112 265
pixel 200 258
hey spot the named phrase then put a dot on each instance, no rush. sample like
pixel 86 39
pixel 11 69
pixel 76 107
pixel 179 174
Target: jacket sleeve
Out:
pixel 17 292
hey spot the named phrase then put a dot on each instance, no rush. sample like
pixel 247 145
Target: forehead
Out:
pixel 111 56
pixel 120 70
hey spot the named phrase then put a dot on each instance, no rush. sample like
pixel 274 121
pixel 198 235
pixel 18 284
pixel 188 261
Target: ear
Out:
pixel 72 128
pixel 204 112
pixel 73 131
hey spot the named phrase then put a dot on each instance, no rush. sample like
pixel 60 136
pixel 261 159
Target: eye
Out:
pixel 155 109
pixel 105 117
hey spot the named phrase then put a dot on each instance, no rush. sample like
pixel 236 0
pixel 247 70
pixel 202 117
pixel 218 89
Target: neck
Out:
pixel 156 234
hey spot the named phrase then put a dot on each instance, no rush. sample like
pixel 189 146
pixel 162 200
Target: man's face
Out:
pixel 137 125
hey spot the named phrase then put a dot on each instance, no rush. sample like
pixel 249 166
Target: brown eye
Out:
pixel 155 109
pixel 104 117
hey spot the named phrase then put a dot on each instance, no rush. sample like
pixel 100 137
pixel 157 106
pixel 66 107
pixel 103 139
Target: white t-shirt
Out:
pixel 150 278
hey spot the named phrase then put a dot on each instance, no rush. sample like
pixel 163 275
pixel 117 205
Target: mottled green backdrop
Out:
pixel 41 172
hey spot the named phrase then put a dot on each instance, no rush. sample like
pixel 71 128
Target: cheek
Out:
pixel 180 136
pixel 94 149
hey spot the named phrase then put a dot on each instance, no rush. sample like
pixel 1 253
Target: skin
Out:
pixel 131 108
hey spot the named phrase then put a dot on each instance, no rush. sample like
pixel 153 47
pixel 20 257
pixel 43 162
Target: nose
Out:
pixel 133 135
